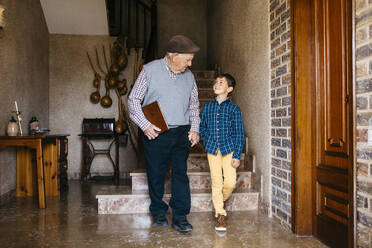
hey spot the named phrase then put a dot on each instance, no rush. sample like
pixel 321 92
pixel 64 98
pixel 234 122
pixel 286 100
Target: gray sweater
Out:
pixel 172 95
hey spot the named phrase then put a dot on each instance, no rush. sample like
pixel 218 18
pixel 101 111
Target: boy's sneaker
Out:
pixel 221 223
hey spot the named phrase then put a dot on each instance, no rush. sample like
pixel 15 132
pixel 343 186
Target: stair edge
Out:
pixel 145 194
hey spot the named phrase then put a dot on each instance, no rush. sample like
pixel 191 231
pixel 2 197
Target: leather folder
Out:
pixel 154 115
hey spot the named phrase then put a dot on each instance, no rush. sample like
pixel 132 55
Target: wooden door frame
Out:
pixel 303 117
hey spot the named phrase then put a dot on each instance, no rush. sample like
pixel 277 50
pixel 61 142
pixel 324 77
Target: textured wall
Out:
pixel 187 17
pixel 238 32
pixel 363 90
pixel 24 71
pixel 280 56
pixel 70 88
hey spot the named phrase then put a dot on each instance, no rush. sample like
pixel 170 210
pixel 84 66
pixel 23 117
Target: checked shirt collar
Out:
pixel 224 102
pixel 167 66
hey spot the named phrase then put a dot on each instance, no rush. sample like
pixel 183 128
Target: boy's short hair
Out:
pixel 230 79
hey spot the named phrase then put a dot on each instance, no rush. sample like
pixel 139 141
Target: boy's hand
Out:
pixel 193 138
pixel 235 163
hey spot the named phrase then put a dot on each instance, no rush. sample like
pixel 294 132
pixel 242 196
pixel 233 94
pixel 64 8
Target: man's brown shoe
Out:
pixel 221 223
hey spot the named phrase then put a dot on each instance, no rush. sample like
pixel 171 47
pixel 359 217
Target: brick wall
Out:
pixel 363 88
pixel 280 110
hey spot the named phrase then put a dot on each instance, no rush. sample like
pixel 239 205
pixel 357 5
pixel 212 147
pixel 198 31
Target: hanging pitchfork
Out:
pixel 114 65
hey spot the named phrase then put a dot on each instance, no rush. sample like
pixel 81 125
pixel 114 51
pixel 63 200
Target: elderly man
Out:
pixel 172 84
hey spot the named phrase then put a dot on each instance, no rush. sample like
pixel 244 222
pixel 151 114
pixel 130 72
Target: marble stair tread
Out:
pixel 202 171
pixel 199 161
pixel 199 179
pixel 204 155
pixel 206 74
pixel 196 171
pixel 205 99
pixel 198 70
pixel 197 152
pixel 121 200
pixel 204 83
pixel 206 89
pixel 126 191
pixel 206 93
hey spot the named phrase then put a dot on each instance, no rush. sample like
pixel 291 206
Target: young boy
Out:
pixel 222 128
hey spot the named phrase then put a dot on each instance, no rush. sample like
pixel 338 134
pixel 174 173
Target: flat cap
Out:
pixel 181 44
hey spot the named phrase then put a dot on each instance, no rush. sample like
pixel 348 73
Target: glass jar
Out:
pixel 12 129
pixel 34 125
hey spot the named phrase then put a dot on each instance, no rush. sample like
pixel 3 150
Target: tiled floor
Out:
pixel 72 221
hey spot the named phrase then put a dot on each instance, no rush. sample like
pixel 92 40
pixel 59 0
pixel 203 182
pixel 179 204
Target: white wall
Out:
pixel 76 16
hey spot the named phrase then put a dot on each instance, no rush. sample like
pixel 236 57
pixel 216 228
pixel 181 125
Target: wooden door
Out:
pixel 333 181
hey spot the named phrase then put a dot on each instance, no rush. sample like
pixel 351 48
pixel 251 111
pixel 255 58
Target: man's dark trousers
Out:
pixel 169 147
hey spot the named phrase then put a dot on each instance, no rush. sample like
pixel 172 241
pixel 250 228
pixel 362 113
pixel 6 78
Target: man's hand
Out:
pixel 152 132
pixel 194 138
pixel 235 163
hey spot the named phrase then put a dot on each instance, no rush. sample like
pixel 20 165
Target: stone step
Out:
pixel 121 200
pixel 199 161
pixel 204 83
pixel 206 94
pixel 200 74
pixel 199 179
pixel 202 102
pixel 198 148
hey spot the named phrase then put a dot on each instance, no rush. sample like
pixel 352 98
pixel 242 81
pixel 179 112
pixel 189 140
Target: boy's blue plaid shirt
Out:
pixel 222 127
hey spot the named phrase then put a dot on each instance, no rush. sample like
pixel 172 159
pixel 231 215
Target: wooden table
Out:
pixel 33 142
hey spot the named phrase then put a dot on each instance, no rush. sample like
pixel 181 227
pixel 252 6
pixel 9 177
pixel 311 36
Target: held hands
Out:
pixel 235 163
pixel 193 138
pixel 152 132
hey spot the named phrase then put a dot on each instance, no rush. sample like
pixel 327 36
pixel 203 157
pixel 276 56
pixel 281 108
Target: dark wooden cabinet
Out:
pixel 62 163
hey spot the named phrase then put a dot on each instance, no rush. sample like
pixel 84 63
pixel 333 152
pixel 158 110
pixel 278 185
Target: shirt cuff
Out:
pixel 195 128
pixel 146 124
pixel 236 156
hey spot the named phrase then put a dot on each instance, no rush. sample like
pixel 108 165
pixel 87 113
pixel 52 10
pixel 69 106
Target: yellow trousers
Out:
pixel 223 177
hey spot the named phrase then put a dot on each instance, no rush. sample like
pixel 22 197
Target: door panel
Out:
pixel 333 203
pixel 335 75
pixel 333 58
pixel 333 184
